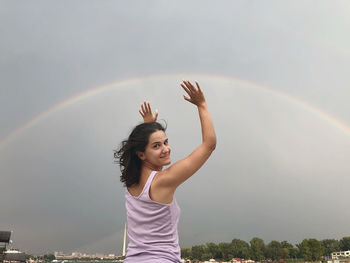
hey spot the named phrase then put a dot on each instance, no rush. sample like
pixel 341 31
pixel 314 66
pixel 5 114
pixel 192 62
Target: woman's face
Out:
pixel 157 151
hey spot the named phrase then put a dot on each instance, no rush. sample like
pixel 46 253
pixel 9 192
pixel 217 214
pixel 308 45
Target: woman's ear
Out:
pixel 141 155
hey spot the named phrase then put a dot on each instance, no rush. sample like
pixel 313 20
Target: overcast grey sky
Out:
pixel 280 170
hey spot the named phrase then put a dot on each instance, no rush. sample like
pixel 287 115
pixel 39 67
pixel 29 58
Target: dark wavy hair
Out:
pixel 126 155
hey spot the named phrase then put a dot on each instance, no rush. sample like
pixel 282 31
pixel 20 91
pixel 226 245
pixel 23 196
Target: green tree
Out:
pixel 285 244
pixel 226 250
pixel 198 251
pixel 274 250
pixel 285 253
pixel 206 256
pixel 241 249
pixel 213 249
pixel 330 245
pixel 289 251
pixel 293 252
pixel 257 247
pixel 311 249
pixel 316 248
pixel 186 253
pixel 345 243
pixel 48 257
pixel 304 250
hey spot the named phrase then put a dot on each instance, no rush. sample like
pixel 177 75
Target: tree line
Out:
pixel 309 249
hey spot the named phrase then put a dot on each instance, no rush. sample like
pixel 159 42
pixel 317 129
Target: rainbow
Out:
pixel 100 89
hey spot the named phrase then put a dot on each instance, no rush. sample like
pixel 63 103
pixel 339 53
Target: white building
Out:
pixel 341 254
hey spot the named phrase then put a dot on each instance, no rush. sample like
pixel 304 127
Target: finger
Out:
pixel 149 107
pixel 141 113
pixel 145 106
pixel 187 84
pixel 199 88
pixel 190 86
pixel 187 98
pixel 156 115
pixel 142 108
pixel 186 89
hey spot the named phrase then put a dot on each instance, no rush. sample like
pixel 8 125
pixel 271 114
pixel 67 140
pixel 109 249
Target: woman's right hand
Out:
pixel 146 113
pixel 196 96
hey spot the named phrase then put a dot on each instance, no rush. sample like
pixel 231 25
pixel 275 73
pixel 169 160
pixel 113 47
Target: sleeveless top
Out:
pixel 152 228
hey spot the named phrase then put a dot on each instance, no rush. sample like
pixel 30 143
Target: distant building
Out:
pixel 58 254
pixel 4 241
pixel 341 254
pixel 14 256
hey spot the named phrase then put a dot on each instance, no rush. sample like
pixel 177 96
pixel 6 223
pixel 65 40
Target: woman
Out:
pixel 152 211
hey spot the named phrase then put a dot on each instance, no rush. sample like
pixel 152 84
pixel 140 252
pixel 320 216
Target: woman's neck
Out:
pixel 148 167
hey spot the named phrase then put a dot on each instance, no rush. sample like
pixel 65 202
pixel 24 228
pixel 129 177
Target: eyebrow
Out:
pixel 159 141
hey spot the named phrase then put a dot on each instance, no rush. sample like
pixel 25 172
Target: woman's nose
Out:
pixel 166 148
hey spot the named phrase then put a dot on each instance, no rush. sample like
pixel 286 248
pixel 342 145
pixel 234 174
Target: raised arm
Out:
pixel 180 171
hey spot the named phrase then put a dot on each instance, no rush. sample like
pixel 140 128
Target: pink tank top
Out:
pixel 152 228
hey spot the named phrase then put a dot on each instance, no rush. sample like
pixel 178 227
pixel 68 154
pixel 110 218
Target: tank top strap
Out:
pixel 149 181
pixel 145 190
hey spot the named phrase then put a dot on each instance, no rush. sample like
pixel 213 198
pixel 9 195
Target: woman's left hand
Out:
pixel 146 113
pixel 196 95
